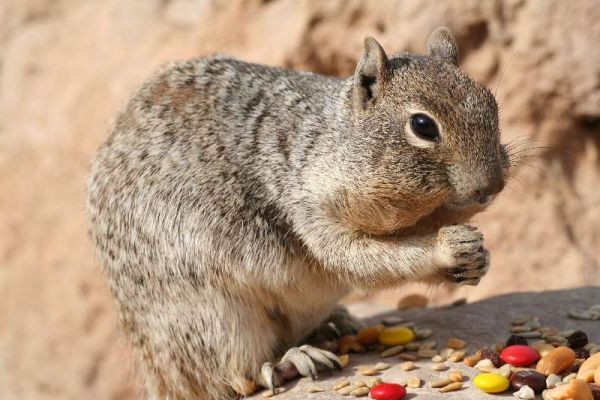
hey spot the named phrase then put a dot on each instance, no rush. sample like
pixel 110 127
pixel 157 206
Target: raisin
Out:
pixel 582 353
pixel 577 339
pixel 595 391
pixel 516 339
pixel 493 356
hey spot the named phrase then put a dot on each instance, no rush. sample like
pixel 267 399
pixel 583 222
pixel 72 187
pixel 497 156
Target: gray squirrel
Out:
pixel 234 204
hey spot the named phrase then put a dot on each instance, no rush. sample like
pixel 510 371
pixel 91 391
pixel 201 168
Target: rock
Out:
pixel 480 324
pixel 66 67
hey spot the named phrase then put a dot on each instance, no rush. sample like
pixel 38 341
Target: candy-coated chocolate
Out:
pixel 491 382
pixel 533 379
pixel 388 391
pixel 519 355
pixel 396 335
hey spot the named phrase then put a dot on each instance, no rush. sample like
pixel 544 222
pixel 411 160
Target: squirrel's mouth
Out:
pixel 467 203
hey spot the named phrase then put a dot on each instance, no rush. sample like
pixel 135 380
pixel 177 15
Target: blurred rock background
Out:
pixel 67 66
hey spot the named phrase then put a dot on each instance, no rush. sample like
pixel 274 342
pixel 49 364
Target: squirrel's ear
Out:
pixel 369 75
pixel 442 45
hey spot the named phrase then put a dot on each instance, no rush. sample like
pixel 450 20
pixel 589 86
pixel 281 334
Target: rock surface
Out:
pixel 480 324
pixel 66 67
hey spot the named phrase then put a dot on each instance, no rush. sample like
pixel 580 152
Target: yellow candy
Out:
pixel 491 382
pixel 396 335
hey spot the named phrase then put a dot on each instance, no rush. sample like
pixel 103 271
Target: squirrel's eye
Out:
pixel 424 127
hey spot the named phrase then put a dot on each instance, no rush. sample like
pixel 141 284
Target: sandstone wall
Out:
pixel 67 66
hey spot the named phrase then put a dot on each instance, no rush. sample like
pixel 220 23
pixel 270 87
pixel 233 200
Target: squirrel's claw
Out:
pixel 305 360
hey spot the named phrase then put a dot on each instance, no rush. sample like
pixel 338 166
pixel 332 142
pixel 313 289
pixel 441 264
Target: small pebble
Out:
pixel 521 320
pixel 439 367
pixel 583 315
pixel 456 343
pixel 552 380
pixel 566 333
pixel 423 334
pixel 393 320
pixel 525 392
pixel 440 383
pixel 428 345
pixel 407 366
pixel 519 355
pixel 520 329
pixel 426 353
pixel 412 346
pixel 396 335
pixel 548 331
pixel 407 357
pixel 414 382
pixel 388 391
pixel 392 351
pixel 533 324
pixel 556 339
pixel 530 378
pixel 451 387
pixel 531 335
pixel 438 358
pixel 455 376
pixel 491 382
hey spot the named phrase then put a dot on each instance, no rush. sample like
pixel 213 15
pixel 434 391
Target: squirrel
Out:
pixel 234 204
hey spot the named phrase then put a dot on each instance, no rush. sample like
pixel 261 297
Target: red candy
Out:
pixel 519 355
pixel 388 391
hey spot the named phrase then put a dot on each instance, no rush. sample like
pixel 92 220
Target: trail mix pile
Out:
pixel 559 365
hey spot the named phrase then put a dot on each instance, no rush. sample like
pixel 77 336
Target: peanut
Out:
pixel 586 370
pixel 455 376
pixel 576 389
pixel 344 359
pixel 414 382
pixel 349 343
pixel 556 361
pixel 456 343
pixel 369 335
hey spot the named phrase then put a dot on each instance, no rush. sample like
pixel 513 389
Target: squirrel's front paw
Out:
pixel 460 249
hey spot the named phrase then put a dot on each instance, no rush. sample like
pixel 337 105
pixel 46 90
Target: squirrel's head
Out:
pixel 430 133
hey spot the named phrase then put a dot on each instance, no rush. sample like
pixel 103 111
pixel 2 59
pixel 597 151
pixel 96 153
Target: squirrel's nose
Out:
pixel 485 193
